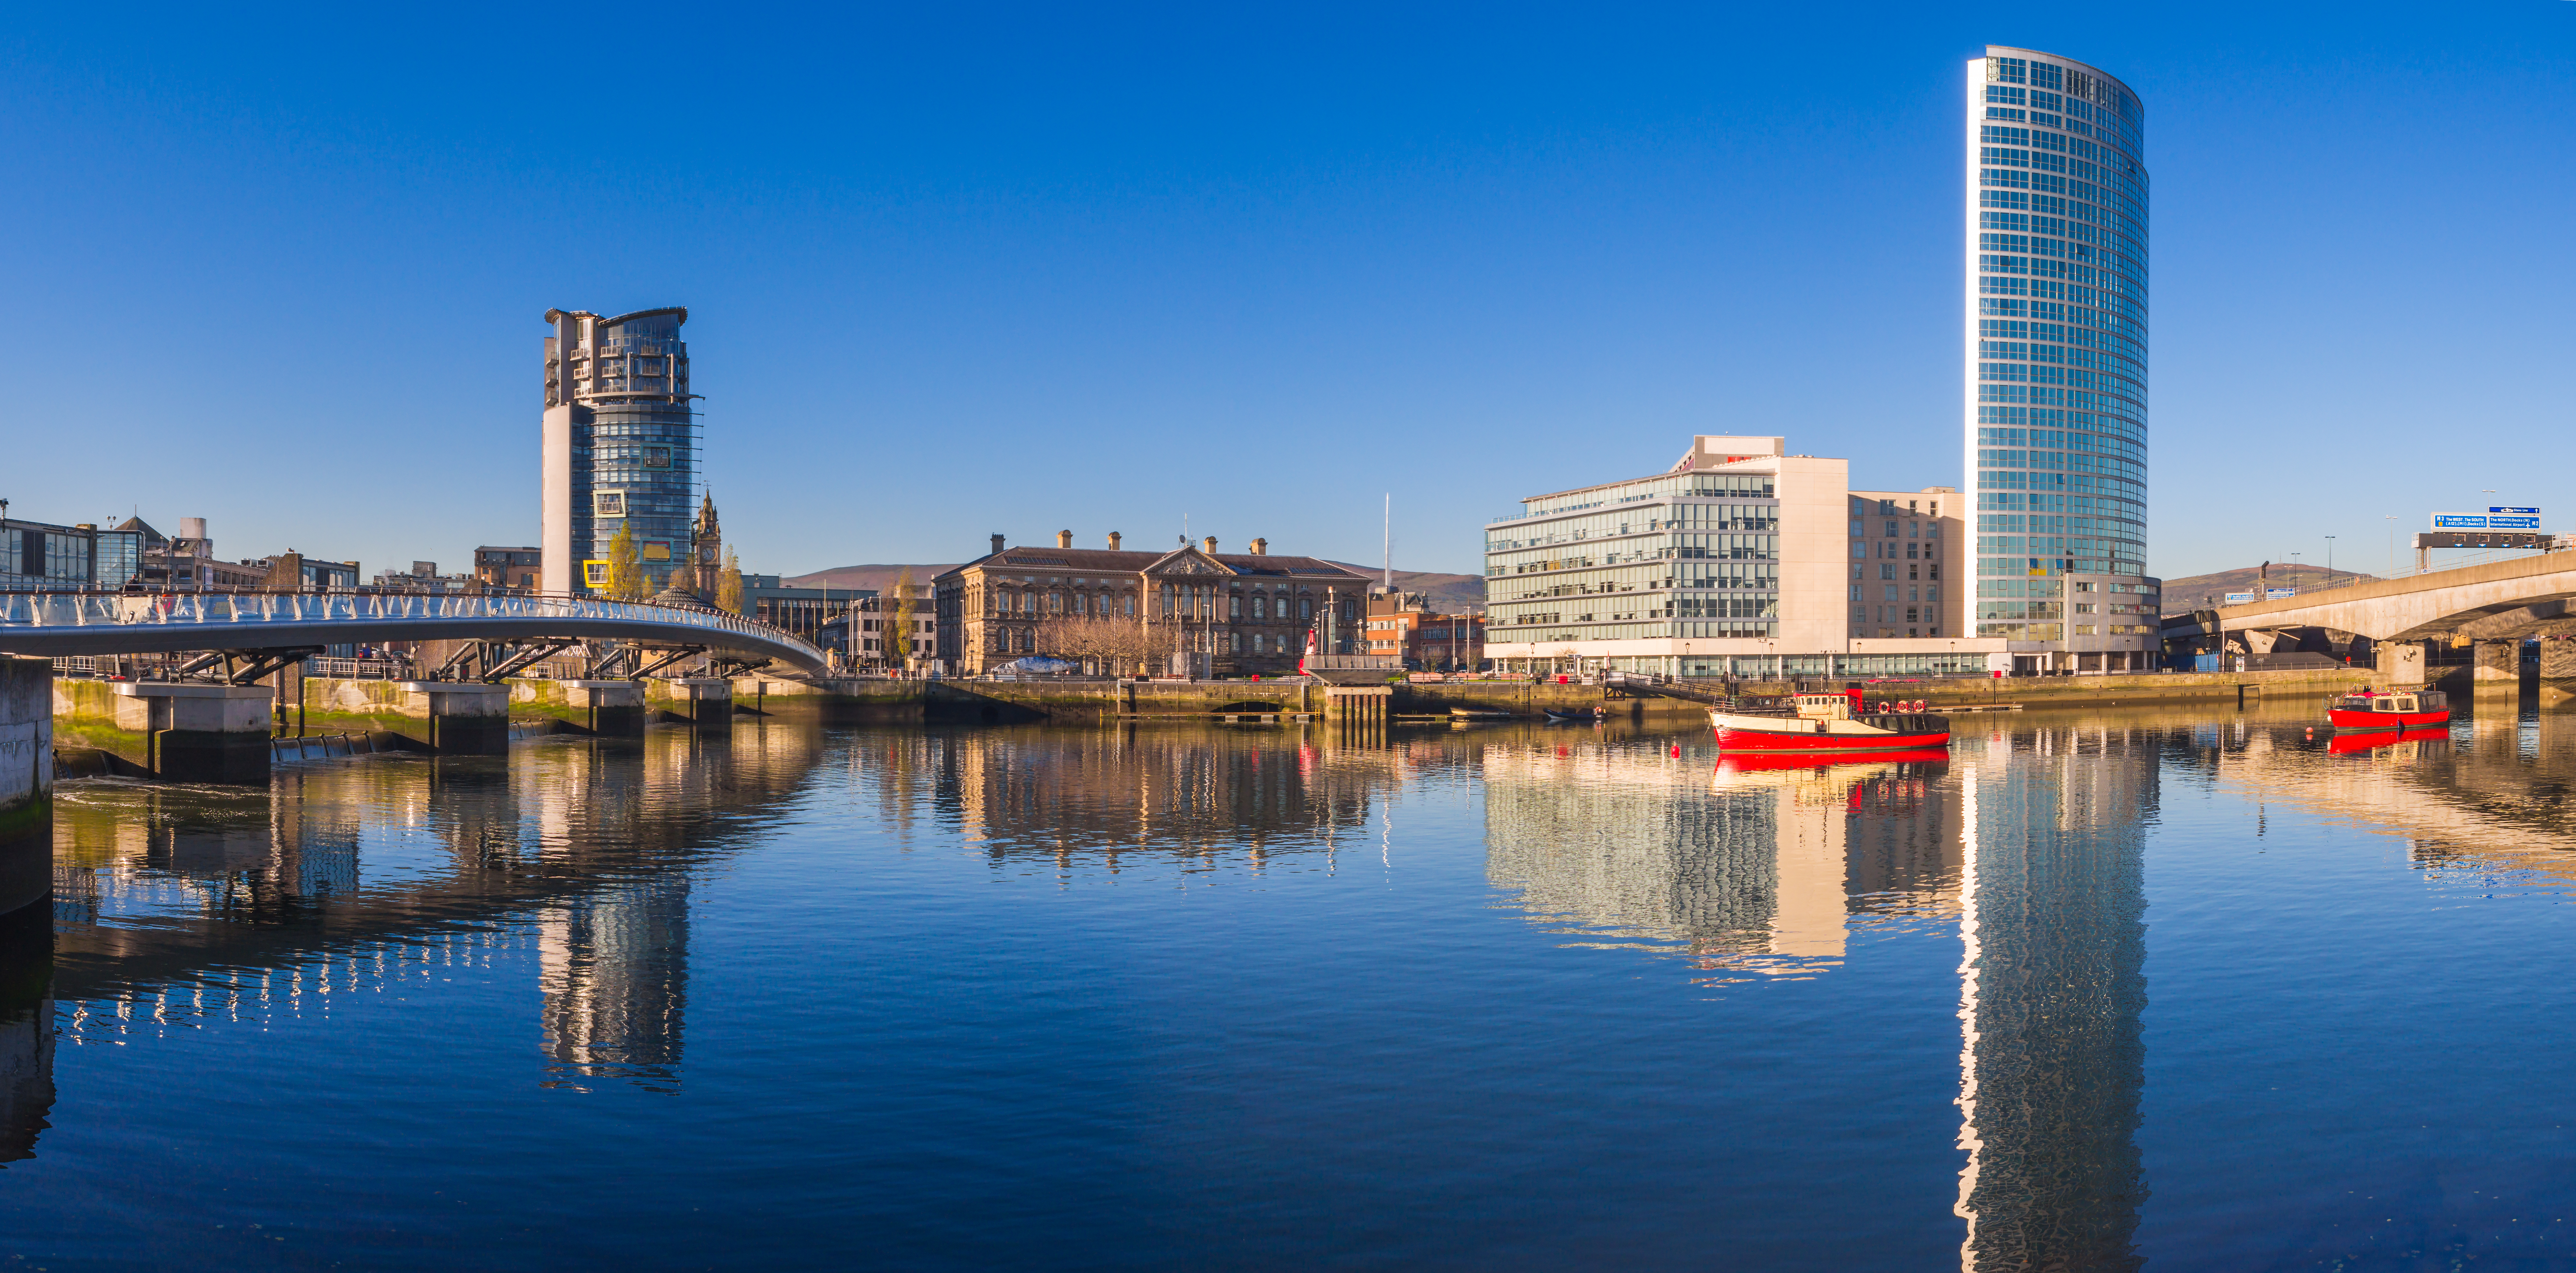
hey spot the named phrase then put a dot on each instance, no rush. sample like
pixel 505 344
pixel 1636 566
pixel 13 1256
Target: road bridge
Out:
pixel 2495 604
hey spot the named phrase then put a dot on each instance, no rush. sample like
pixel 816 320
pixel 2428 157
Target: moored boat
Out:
pixel 2389 709
pixel 1824 723
pixel 2357 742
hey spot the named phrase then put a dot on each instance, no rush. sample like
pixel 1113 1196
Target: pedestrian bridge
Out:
pixel 56 625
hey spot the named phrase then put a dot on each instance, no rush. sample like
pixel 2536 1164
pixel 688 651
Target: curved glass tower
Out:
pixel 621 445
pixel 2056 410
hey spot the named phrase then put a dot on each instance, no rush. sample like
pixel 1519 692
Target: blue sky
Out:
pixel 1020 269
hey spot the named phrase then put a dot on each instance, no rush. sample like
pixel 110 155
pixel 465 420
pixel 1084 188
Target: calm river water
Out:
pixel 2096 991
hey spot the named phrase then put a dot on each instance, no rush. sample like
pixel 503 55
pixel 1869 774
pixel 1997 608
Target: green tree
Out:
pixel 898 630
pixel 729 585
pixel 625 572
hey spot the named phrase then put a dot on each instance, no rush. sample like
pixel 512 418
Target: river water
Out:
pixel 2193 988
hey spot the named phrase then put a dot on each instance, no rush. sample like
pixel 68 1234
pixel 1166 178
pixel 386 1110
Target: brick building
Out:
pixel 1249 612
pixel 1402 624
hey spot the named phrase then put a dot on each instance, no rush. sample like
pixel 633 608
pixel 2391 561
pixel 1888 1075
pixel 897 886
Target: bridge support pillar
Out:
pixel 466 718
pixel 608 707
pixel 27 782
pixel 2401 663
pixel 2558 660
pixel 705 701
pixel 196 732
pixel 2496 667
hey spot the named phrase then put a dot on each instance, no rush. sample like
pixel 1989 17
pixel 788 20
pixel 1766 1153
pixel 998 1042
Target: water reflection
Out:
pixel 2051 1063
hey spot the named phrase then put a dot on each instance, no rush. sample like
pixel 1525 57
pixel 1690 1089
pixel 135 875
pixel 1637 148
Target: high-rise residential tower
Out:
pixel 621 446
pixel 2056 337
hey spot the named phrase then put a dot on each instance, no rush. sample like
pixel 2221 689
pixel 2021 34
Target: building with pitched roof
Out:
pixel 1246 612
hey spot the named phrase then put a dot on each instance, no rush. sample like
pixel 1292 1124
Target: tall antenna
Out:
pixel 1389 546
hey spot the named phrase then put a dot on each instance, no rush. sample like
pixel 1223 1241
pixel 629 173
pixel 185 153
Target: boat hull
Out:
pixel 2357 721
pixel 1791 734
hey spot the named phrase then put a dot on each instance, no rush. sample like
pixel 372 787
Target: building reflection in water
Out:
pixel 2052 985
pixel 1764 868
pixel 26 1029
pixel 572 858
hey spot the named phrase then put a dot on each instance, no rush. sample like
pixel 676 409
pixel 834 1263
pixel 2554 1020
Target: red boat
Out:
pixel 2393 709
pixel 1824 723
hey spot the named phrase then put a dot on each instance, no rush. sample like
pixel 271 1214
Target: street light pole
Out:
pixel 2330 558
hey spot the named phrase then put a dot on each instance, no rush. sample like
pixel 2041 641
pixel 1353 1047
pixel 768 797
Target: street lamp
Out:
pixel 2330 558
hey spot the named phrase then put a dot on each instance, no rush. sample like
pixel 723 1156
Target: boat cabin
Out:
pixel 1824 706
pixel 2399 703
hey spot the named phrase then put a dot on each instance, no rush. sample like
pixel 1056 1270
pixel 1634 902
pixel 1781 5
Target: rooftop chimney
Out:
pixel 1209 545
pixel 1064 539
pixel 1261 548
pixel 1113 541
pixel 997 543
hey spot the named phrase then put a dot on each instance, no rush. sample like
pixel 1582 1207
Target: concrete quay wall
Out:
pixel 26 782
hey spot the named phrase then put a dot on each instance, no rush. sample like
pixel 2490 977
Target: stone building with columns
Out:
pixel 1248 612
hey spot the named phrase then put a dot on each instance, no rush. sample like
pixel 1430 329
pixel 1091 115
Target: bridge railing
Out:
pixel 55 610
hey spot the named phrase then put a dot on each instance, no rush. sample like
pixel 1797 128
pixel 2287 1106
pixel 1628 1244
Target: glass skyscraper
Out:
pixel 621 446
pixel 2056 410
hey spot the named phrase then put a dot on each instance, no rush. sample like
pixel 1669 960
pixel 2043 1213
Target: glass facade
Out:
pixel 2056 431
pixel 1676 555
pixel 38 557
pixel 634 441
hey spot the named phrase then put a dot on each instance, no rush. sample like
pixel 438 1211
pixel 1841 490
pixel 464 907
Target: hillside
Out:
pixel 2201 592
pixel 1447 591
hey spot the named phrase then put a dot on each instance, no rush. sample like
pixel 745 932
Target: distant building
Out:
pixel 621 446
pixel 509 567
pixel 424 577
pixel 802 611
pixel 871 646
pixel 1249 612
pixel 43 557
pixel 186 562
pixel 1402 624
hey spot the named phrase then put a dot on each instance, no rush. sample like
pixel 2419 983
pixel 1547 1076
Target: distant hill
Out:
pixel 1447 592
pixel 2204 592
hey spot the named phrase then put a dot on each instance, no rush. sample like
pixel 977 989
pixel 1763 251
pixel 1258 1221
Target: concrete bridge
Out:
pixel 2496 605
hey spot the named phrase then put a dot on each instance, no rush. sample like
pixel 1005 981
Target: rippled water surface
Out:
pixel 2196 989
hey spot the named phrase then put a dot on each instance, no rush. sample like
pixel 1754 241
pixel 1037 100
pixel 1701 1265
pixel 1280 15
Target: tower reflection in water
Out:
pixel 2033 849
pixel 2052 985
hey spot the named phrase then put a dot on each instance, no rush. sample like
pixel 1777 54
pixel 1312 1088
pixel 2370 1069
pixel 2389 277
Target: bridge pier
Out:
pixel 466 718
pixel 2496 667
pixel 703 701
pixel 196 732
pixel 26 782
pixel 2401 663
pixel 609 707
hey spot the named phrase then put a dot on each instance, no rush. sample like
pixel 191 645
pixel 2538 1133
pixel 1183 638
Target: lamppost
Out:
pixel 2330 559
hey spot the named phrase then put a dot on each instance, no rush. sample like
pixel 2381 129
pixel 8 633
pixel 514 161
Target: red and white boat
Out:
pixel 1825 723
pixel 2389 709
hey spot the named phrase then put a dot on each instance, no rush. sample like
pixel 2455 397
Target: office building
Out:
pixel 43 557
pixel 1739 560
pixel 509 567
pixel 621 446
pixel 1403 625
pixel 2056 357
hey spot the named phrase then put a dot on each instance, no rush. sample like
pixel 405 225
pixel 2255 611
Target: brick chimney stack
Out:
pixel 997 543
pixel 1064 539
pixel 1261 548
pixel 1209 545
pixel 1113 541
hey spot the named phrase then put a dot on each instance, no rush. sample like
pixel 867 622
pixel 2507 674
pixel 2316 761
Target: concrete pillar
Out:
pixel 2496 667
pixel 608 707
pixel 198 732
pixel 707 701
pixel 2401 663
pixel 466 718
pixel 27 784
pixel 2558 662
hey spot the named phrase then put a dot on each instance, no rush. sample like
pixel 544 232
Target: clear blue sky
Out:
pixel 955 270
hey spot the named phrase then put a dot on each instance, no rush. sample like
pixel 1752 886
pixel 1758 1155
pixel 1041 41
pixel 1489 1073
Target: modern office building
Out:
pixel 2056 357
pixel 43 557
pixel 621 446
pixel 1740 559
